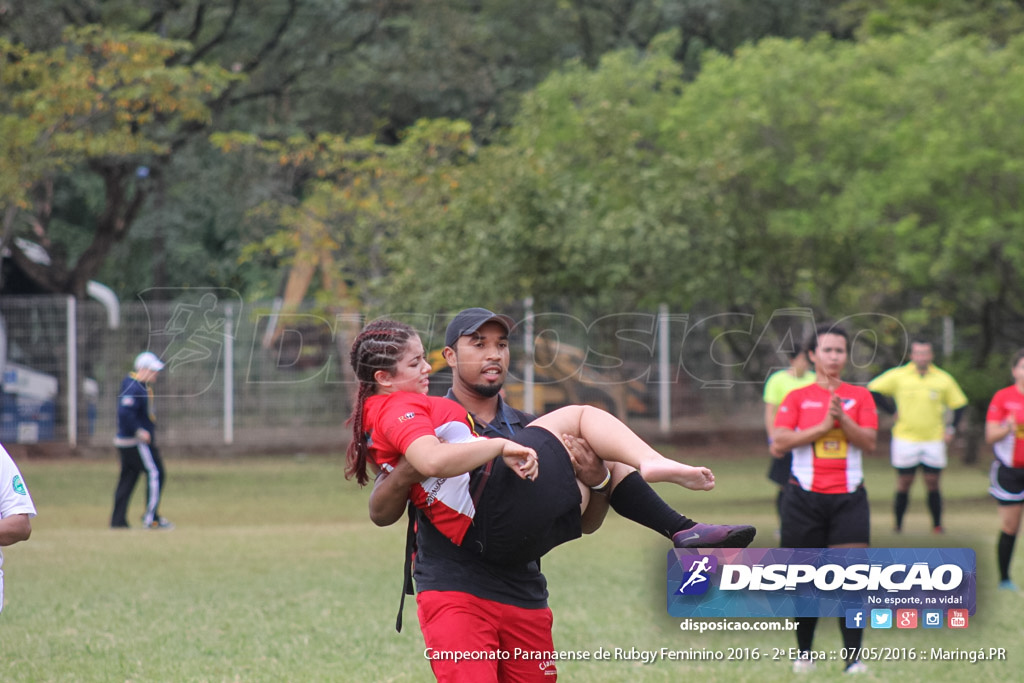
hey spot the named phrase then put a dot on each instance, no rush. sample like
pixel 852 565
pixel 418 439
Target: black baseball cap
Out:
pixel 469 321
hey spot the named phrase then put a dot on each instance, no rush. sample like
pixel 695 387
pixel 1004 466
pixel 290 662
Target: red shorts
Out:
pixel 472 640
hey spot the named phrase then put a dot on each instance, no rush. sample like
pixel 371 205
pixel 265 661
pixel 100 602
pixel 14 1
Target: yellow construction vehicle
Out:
pixel 562 377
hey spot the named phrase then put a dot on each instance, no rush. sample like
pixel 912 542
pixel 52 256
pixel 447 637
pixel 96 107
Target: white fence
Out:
pixel 244 375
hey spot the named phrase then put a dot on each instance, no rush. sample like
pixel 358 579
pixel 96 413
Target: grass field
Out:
pixel 275 574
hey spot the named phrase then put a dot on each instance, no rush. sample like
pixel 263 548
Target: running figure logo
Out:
pixel 188 329
pixel 696 580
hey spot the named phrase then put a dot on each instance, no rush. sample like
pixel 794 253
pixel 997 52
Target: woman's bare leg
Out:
pixel 613 440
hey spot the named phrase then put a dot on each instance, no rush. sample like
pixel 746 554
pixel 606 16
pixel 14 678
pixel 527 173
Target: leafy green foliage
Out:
pixel 843 177
pixel 354 198
pixel 103 99
pixel 865 160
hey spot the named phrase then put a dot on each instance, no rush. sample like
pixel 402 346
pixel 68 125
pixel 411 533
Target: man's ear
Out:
pixel 450 356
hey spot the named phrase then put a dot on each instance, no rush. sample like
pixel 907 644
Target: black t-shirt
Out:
pixel 443 566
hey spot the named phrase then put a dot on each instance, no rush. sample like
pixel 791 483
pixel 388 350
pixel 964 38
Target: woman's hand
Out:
pixel 520 459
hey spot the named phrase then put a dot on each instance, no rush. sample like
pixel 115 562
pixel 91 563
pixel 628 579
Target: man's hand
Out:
pixel 589 468
pixel 390 493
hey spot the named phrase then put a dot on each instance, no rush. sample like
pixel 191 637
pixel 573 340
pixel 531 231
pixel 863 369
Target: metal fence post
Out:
pixel 528 372
pixel 72 376
pixel 664 389
pixel 229 377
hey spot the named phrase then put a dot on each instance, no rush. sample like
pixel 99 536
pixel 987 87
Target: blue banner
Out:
pixel 820 582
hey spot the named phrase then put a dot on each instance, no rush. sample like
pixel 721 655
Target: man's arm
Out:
pixel 770 411
pixel 954 424
pixel 769 418
pixel 15 528
pixel 391 492
pixel 592 471
pixel 884 402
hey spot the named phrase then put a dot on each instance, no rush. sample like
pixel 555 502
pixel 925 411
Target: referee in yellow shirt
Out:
pixel 924 396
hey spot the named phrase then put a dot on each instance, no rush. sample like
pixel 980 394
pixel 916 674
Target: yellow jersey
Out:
pixel 921 400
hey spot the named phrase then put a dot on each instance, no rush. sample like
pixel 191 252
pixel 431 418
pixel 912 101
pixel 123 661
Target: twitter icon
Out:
pixel 881 618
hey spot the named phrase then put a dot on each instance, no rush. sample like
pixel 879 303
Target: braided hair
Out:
pixel 378 347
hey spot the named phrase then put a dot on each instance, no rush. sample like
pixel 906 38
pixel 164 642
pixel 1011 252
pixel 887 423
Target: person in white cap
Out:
pixel 136 444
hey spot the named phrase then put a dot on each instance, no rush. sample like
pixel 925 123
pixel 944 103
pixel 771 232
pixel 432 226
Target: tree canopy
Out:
pixel 856 156
pixel 103 101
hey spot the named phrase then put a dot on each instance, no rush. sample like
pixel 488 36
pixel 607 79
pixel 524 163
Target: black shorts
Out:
pixel 517 521
pixel 820 520
pixel 1006 484
pixel 927 469
pixel 779 470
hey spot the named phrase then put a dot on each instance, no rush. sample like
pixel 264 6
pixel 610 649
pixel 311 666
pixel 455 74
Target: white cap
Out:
pixel 147 360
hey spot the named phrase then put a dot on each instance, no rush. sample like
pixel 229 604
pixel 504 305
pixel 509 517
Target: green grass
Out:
pixel 275 574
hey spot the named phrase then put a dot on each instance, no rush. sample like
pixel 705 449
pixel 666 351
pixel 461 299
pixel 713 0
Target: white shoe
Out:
pixel 803 666
pixel 857 667
pixel 158 524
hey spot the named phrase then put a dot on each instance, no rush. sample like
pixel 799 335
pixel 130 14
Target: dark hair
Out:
pixel 378 347
pixel 827 328
pixel 796 351
pixel 1016 359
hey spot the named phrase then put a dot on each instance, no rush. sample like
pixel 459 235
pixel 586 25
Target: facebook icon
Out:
pixel 855 618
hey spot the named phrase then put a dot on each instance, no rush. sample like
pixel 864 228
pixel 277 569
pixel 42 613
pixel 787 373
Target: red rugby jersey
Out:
pixel 1010 449
pixel 393 422
pixel 831 464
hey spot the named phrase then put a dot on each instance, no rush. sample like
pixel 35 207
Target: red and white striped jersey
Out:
pixel 831 464
pixel 393 422
pixel 1010 449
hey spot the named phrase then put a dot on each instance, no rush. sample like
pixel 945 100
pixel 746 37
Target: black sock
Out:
pixel 900 507
pixel 935 505
pixel 634 499
pixel 1005 552
pixel 852 638
pixel 805 633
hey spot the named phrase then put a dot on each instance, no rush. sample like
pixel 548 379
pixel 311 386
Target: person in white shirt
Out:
pixel 16 509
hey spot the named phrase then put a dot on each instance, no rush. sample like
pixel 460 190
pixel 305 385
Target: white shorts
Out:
pixel 914 453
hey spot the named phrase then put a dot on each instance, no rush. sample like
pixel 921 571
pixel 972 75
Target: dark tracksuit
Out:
pixel 134 413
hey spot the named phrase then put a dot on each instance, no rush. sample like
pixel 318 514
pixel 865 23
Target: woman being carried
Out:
pixel 528 511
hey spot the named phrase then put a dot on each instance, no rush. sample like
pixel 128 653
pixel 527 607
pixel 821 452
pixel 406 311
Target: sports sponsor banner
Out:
pixel 818 582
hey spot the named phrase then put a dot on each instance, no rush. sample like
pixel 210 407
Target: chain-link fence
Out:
pixel 246 375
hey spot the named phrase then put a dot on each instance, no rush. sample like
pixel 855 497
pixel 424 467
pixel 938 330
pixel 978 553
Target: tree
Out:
pixel 561 204
pixel 843 177
pixel 103 101
pixel 352 68
pixel 349 201
pixel 996 19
